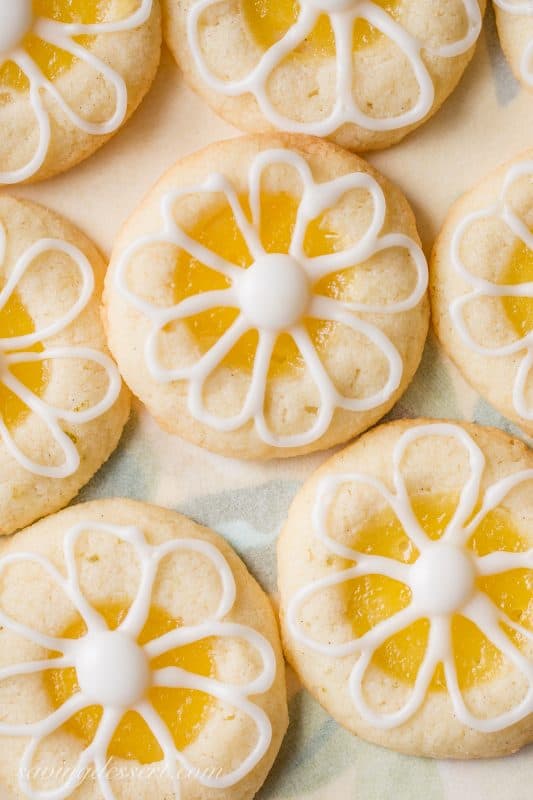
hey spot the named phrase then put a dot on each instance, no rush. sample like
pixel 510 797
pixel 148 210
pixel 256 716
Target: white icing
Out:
pixel 482 288
pixel 16 350
pixel 442 579
pixel 274 296
pixel 442 583
pixel 521 8
pixel 114 673
pixel 112 669
pixel 15 22
pixel 343 15
pixel 14 19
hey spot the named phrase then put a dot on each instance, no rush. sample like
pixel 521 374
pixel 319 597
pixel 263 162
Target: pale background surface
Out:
pixel 487 121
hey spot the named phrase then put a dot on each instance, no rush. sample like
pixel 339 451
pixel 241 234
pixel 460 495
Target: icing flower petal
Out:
pixel 46 641
pixel 367 565
pixel 323 308
pixel 24 263
pixel 135 619
pixel 488 618
pixel 74 774
pixel 25 63
pixel 53 34
pixel 52 417
pixel 439 635
pixel 233 697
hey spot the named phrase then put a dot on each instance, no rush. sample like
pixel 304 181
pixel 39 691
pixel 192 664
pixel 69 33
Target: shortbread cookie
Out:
pixel 362 73
pixel 405 573
pixel 71 73
pixel 269 297
pixel 138 659
pixel 62 405
pixel 515 27
pixel 482 289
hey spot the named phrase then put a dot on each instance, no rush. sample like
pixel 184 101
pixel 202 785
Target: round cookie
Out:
pixel 405 584
pixel 310 344
pixel 515 27
pixel 71 73
pixel 156 670
pixel 363 74
pixel 62 403
pixel 481 288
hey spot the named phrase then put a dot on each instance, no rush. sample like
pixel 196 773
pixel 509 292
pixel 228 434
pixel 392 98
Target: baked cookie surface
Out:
pixel 71 73
pixel 515 27
pixel 138 658
pixel 62 403
pixel 405 582
pixel 268 297
pixel 481 288
pixel 361 73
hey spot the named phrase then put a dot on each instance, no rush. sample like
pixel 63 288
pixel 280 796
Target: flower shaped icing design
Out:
pixel 17 21
pixel 115 672
pixel 342 15
pixel 29 348
pixel 521 8
pixel 442 582
pixel 275 295
pixel 482 288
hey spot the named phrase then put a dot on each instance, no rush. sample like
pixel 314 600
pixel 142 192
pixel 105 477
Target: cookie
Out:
pixel 363 74
pixel 62 405
pixel 71 73
pixel 405 578
pixel 138 658
pixel 268 297
pixel 481 289
pixel 515 27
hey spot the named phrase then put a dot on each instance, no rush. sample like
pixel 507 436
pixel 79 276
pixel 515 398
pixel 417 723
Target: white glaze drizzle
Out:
pixel 282 309
pixel 448 558
pixel 90 654
pixel 525 9
pixel 343 17
pixel 15 350
pixel 62 35
pixel 501 209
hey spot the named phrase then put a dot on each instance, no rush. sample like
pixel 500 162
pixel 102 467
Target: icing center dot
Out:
pixel 443 579
pixel 274 292
pixel 16 19
pixel 112 670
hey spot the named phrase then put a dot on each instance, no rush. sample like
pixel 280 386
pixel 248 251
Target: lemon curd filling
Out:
pixel 220 233
pixel 184 711
pixel 16 321
pixel 519 310
pixel 52 60
pixel 374 598
pixel 269 21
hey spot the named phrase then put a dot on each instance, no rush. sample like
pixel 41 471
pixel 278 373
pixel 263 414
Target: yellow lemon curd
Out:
pixel 184 711
pixel 374 598
pixel 269 20
pixel 16 321
pixel 220 233
pixel 519 310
